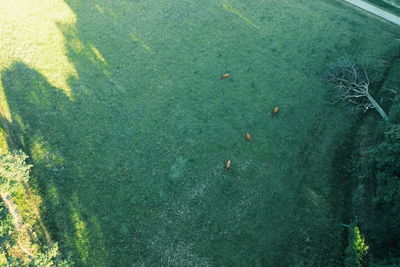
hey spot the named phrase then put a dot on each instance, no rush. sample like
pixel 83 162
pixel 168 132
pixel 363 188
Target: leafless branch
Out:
pixel 350 84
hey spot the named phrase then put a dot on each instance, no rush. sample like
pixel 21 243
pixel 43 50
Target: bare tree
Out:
pixel 351 84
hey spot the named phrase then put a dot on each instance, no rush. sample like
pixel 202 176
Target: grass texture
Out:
pixel 121 107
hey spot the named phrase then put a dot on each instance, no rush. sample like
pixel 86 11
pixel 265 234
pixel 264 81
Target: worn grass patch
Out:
pixel 129 126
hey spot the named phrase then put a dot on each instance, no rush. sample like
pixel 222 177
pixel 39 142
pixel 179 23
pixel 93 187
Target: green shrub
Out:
pixel 385 161
pixel 50 257
pixel 394 114
pixel 356 249
pixel 14 171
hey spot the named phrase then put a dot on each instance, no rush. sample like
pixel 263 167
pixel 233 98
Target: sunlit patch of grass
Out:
pixel 81 233
pixel 99 8
pixel 99 256
pixel 98 55
pixel 53 195
pixel 228 7
pixel 42 153
pixel 3 142
pixel 4 108
pixel 140 41
pixel 87 229
pixel 77 45
pixel 34 38
pixel 315 198
pixel 38 151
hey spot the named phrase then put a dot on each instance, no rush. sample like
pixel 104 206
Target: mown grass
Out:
pixel 129 126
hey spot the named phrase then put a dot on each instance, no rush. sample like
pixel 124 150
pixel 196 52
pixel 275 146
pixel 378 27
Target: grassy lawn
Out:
pixel 128 125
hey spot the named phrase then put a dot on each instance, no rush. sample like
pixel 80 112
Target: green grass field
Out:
pixel 128 125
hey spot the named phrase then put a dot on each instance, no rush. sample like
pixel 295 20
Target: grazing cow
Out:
pixel 275 111
pixel 228 164
pixel 248 137
pixel 225 75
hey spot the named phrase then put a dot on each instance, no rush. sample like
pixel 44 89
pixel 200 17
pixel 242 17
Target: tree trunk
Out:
pixel 377 107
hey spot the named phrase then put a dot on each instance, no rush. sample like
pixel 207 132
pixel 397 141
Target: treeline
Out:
pixel 374 169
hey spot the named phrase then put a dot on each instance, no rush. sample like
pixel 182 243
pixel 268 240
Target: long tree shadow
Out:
pixel 90 170
pixel 47 121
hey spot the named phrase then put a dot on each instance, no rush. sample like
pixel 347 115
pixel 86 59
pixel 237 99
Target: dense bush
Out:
pixel 6 235
pixel 50 257
pixel 14 170
pixel 385 161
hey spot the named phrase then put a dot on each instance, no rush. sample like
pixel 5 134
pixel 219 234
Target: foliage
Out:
pixel 6 234
pixel 49 258
pixel 386 156
pixel 394 114
pixel 386 262
pixel 13 170
pixel 356 249
pixel 385 161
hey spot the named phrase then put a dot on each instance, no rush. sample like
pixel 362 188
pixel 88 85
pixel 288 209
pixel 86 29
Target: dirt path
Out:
pixel 375 10
pixel 22 232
